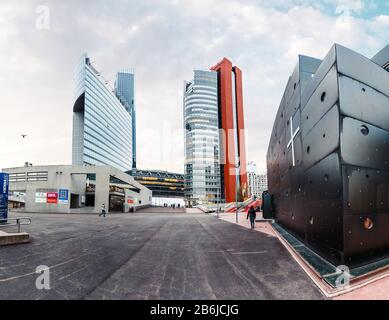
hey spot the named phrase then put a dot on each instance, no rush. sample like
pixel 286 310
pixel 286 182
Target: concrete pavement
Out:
pixel 150 256
pixel 371 288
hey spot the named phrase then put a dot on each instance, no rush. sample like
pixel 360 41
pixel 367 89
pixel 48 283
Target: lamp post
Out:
pixel 237 171
pixel 217 202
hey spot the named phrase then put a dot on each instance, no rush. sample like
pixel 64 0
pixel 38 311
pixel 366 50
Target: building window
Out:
pixel 14 175
pixel 40 173
pixel 17 179
pixel 37 179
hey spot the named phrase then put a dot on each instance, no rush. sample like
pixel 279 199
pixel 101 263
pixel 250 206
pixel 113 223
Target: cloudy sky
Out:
pixel 164 40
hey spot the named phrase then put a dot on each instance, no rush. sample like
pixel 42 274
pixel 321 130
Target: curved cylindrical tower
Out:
pixel 202 147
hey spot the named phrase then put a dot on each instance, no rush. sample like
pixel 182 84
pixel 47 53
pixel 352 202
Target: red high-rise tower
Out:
pixel 231 120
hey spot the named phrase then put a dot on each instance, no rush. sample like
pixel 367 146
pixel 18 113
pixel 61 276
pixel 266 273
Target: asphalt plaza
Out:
pixel 150 255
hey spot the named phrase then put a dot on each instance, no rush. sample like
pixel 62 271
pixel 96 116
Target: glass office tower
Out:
pixel 102 125
pixel 124 90
pixel 202 147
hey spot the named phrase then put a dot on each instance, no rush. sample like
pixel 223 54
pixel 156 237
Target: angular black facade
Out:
pixel 328 157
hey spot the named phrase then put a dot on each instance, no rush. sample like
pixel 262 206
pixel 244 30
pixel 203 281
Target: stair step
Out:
pixel 13 238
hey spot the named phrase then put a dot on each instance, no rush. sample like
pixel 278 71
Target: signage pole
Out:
pixel 4 188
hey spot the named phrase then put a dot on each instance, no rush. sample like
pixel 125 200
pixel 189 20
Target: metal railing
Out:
pixel 22 221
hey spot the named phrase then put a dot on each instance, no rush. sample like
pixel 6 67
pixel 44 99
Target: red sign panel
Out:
pixel 52 197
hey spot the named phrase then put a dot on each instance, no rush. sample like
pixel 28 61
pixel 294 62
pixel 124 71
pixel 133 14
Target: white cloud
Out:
pixel 164 41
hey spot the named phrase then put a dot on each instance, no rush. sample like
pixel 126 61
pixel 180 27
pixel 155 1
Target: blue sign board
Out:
pixel 63 196
pixel 4 181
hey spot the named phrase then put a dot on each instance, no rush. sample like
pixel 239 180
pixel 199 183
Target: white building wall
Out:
pixel 257 182
pixel 72 178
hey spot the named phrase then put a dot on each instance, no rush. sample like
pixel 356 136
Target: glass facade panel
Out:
pixel 202 154
pixel 125 91
pixel 102 124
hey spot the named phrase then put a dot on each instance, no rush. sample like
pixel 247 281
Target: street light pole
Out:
pixel 218 200
pixel 237 166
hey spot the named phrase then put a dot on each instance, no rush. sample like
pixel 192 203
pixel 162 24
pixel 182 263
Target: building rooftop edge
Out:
pixel 57 165
pixel 220 62
pixel 154 170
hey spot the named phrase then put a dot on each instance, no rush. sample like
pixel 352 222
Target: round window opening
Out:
pixel 364 130
pixel 368 224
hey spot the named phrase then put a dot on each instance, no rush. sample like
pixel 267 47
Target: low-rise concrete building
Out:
pixel 74 189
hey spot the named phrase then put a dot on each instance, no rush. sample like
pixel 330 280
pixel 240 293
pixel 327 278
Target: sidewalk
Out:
pixel 263 227
pixel 376 290
pixel 193 210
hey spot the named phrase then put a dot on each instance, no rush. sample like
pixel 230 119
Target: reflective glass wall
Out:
pixel 125 91
pixel 102 127
pixel 202 147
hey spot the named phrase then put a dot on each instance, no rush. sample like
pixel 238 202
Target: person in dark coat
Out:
pixel 252 215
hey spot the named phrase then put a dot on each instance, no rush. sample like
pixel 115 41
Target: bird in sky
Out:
pixel 24 135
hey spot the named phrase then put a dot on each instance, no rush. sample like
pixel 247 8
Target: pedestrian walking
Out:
pixel 252 214
pixel 103 212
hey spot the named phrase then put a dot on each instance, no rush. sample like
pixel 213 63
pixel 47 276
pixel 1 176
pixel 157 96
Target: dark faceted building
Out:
pixel 328 157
